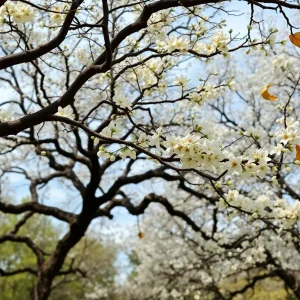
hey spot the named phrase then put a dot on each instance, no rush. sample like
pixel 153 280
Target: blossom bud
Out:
pixel 229 182
pixel 218 184
pixel 283 42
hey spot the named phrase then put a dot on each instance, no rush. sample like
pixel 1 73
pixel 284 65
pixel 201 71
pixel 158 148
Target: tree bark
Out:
pixel 2 2
pixel 51 267
pixel 290 281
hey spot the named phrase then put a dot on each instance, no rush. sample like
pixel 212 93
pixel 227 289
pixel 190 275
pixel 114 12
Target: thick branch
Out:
pixel 38 208
pixel 2 2
pixel 140 209
pixel 18 271
pixel 30 55
pixel 26 240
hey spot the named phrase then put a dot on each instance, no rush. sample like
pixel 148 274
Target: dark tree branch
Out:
pixel 30 55
pixel 4 273
pixel 38 208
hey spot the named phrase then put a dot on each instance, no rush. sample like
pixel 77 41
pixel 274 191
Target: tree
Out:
pixel 241 234
pixel 96 104
pixel 87 270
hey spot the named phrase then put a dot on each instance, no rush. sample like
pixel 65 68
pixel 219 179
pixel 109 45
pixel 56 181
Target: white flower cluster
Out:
pixel 215 263
pixel 127 152
pixel 121 100
pixel 66 112
pixel 132 43
pixel 181 80
pixel 264 206
pixel 83 56
pixel 123 153
pixel 147 76
pixel 112 130
pixel 102 153
pixel 289 135
pixel 253 132
pixel 254 164
pixel 17 12
pixel 282 63
pixel 5 116
pixel 201 150
pixel 174 43
pixel 195 151
pixel 58 17
pixel 219 42
pixel 199 28
pixel 207 92
pixel 157 22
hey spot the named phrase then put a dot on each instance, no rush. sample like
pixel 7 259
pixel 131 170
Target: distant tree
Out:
pixel 88 271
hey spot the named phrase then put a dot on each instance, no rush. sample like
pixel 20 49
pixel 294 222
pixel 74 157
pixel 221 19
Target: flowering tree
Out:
pixel 242 230
pixel 97 101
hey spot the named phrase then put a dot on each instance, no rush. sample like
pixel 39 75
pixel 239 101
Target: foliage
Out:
pixel 92 262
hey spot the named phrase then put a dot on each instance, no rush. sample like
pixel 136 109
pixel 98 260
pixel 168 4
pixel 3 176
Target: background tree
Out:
pixel 95 104
pixel 88 271
pixel 244 243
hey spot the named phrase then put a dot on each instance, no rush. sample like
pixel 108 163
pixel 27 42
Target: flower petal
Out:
pixel 266 95
pixel 297 152
pixel 295 39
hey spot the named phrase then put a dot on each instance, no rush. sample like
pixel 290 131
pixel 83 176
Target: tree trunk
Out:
pixel 51 268
pixel 290 281
pixel 43 287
